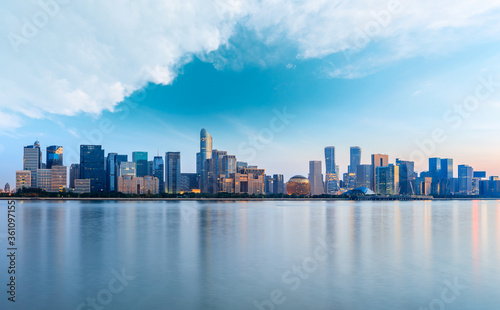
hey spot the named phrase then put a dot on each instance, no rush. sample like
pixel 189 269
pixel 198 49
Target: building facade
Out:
pixel 23 179
pixel 54 156
pixel 173 172
pixel 58 178
pixel 92 166
pixel 316 178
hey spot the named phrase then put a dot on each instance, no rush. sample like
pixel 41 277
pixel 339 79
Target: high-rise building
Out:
pixel 316 178
pixel 465 173
pixel 268 185
pixel 159 172
pixel 229 165
pixel 446 168
pixel 7 188
pixel 173 172
pixel 43 179
pixel 127 168
pixel 278 184
pixel 331 173
pixel 74 174
pixel 189 182
pixel 113 161
pixel 378 160
pixel 406 177
pixel 23 179
pixel 387 179
pixel 240 165
pixel 141 163
pixel 58 178
pixel 363 176
pixel 32 161
pixel 54 156
pixel 204 154
pixel 92 166
pixel 355 159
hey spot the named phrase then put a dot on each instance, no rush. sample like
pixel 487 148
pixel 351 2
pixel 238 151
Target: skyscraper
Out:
pixel 127 168
pixel 406 177
pixel 159 172
pixel 387 180
pixel 205 153
pixel 92 166
pixel 378 160
pixel 278 184
pixel 355 159
pixel 54 156
pixel 316 178
pixel 32 161
pixel 173 172
pixel 446 168
pixel 113 161
pixel 363 176
pixel 141 163
pixel 229 165
pixel 332 179
pixel 74 174
pixel 465 174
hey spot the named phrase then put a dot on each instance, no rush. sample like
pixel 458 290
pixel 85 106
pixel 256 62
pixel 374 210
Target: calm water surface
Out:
pixel 255 255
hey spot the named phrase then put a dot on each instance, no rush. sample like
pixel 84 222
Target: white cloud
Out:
pixel 86 56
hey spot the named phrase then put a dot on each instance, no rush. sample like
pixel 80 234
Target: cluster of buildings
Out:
pixel 399 178
pixel 216 172
pixel 219 172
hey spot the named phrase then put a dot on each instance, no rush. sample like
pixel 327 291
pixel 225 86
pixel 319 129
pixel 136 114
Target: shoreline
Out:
pixel 227 199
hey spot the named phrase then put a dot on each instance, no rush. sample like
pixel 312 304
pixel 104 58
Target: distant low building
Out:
pixel 138 185
pixel 23 179
pixel 59 178
pixel 82 186
pixel 44 179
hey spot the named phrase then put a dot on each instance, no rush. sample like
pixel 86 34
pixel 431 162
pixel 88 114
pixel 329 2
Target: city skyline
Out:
pixel 343 167
pixel 221 172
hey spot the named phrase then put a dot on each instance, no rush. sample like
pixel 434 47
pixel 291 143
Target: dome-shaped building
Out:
pixel 298 185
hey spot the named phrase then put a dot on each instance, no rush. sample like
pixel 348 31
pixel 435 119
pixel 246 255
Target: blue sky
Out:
pixel 230 72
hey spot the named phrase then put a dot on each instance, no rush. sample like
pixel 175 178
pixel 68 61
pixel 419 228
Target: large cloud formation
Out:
pixel 68 57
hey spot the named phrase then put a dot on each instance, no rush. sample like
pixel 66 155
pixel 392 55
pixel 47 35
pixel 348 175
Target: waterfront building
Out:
pixel 43 179
pixel 74 174
pixel 32 161
pixel 159 172
pixel 316 178
pixel 58 178
pixel 363 176
pixel 298 185
pixel 173 172
pixel 54 156
pixel 92 166
pixel 355 159
pixel 23 179
pixel 141 163
pixel 82 186
pixel 406 177
pixel 465 174
pixel 278 184
pixel 127 168
pixel 331 172
pixel 378 160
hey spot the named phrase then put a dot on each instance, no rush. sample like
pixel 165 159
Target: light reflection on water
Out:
pixel 233 255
